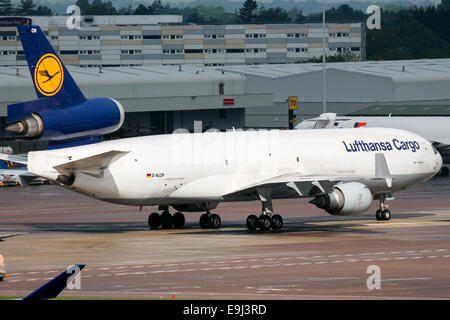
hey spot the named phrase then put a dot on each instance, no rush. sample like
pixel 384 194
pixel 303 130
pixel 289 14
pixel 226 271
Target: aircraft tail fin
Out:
pixel 54 287
pixel 50 77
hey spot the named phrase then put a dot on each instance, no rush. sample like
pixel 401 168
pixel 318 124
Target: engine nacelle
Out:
pixel 346 199
pixel 93 117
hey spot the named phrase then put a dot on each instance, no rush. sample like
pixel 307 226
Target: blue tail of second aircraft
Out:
pixel 50 77
pixel 61 114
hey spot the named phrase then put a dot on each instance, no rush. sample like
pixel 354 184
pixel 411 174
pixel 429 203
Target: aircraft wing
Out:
pixel 9 235
pixel 13 158
pixel 240 186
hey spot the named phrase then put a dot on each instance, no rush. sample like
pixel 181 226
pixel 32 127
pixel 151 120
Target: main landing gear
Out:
pixel 267 219
pixel 383 213
pixel 166 220
pixel 210 220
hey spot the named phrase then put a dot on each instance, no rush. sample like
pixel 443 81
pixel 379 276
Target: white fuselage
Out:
pixel 193 168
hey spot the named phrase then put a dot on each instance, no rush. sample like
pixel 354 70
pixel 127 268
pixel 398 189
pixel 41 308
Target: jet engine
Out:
pixel 92 117
pixel 346 199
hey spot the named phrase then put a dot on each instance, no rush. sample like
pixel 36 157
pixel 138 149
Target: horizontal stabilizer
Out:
pixel 13 158
pixel 97 162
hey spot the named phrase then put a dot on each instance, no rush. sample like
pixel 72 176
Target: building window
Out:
pixel 130 37
pixel 8 52
pixel 172 36
pixel 68 52
pixel 297 49
pixel 214 36
pixel 193 51
pixel 130 51
pixel 83 52
pixel 89 37
pixel 152 37
pixel 209 51
pixel 173 51
pixel 235 50
pixel 296 35
pixel 221 88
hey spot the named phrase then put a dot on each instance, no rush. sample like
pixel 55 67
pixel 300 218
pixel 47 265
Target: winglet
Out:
pixel 54 287
pixel 382 170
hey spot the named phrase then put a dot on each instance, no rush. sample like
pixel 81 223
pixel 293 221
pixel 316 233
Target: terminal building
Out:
pixel 163 40
pixel 160 99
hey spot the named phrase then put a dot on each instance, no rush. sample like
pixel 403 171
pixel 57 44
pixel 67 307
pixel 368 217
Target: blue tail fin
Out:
pixel 54 287
pixel 50 77
pixel 3 165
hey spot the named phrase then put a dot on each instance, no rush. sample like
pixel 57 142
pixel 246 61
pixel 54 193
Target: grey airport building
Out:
pixel 162 91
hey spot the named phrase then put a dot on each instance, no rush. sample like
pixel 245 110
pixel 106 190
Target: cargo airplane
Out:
pixel 342 171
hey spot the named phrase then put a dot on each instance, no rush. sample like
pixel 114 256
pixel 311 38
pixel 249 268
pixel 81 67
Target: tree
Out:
pixel 247 12
pixel 300 18
pixel 125 11
pixel 445 4
pixel 143 10
pixel 195 17
pixel 6 8
pixel 83 4
pixel 26 7
pixel 101 8
pixel 157 7
pixel 44 11
pixel 272 15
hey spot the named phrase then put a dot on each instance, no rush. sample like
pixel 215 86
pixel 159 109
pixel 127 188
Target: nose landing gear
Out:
pixel 383 214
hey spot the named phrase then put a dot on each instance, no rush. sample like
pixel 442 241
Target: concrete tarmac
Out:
pixel 314 256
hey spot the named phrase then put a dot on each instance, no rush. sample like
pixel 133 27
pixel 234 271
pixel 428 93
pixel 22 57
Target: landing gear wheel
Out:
pixel 264 222
pixel 214 221
pixel 166 220
pixel 252 222
pixel 154 220
pixel 204 221
pixel 276 222
pixel 385 215
pixel 178 220
pixel 378 215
